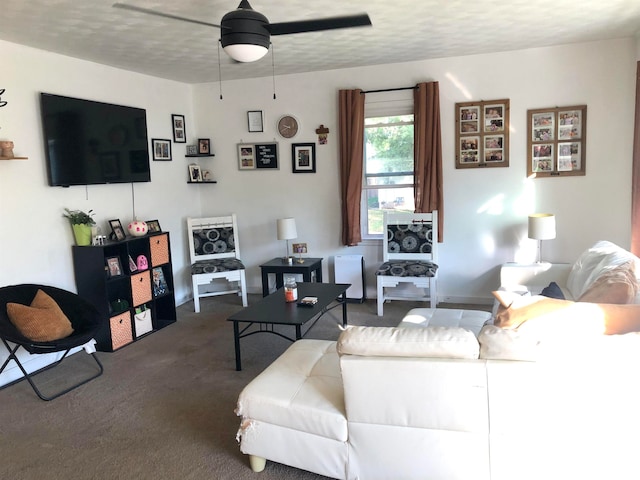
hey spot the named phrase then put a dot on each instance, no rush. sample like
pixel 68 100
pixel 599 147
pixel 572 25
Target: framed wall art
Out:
pixel 303 157
pixel 204 146
pixel 482 134
pixel 179 130
pixel 556 141
pixel 254 118
pixel 266 155
pixel 161 149
pixel 246 156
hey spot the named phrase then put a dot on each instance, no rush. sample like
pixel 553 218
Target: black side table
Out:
pixel 279 267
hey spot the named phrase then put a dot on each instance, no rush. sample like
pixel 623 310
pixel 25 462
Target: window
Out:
pixel 388 170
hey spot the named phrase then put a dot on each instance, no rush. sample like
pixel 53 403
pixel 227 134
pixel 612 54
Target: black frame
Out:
pixel 177 129
pixel 204 146
pixel 297 167
pixel 114 259
pixel 154 142
pixel 153 226
pixel 255 121
pixel 117 230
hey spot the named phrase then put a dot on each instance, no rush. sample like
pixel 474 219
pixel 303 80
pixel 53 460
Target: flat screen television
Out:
pixel 89 143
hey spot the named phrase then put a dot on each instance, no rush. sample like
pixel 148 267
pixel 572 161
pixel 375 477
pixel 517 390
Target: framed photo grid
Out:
pixel 556 139
pixel 161 149
pixel 482 134
pixel 179 130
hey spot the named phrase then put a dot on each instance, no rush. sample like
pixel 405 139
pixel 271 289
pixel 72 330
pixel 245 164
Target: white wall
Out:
pixel 485 210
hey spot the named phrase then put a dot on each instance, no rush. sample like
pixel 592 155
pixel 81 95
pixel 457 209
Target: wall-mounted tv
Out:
pixel 88 143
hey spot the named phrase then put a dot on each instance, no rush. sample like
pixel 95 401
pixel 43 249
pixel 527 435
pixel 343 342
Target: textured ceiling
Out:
pixel 402 31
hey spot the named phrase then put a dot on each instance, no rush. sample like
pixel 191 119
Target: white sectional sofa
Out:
pixel 441 403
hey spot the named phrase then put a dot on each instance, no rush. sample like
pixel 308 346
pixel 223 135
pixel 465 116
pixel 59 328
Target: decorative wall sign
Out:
pixel 2 103
pixel 266 155
pixel 179 130
pixel 482 134
pixel 556 142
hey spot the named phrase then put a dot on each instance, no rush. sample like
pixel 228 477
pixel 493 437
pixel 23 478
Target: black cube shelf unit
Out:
pixel 119 298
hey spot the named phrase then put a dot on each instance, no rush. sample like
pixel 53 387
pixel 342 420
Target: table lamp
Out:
pixel 542 226
pixel 287 231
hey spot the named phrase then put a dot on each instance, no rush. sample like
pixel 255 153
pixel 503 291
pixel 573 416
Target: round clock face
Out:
pixel 287 126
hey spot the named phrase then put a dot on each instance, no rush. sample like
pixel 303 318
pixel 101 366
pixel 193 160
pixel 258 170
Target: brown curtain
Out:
pixel 635 185
pixel 428 152
pixel 351 124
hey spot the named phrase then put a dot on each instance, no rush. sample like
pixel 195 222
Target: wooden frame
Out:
pixel 179 129
pixel 161 149
pixel 246 156
pixel 303 157
pixel 556 141
pixel 482 134
pixel 118 231
pixel 255 122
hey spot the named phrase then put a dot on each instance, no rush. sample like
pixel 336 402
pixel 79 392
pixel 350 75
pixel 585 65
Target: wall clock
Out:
pixel 288 126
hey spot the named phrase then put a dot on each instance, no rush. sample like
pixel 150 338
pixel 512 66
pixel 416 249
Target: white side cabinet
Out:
pixel 533 276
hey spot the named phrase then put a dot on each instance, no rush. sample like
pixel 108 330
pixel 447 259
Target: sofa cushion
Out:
pixel 441 342
pixel 601 258
pixel 42 321
pixel 445 317
pixel 553 290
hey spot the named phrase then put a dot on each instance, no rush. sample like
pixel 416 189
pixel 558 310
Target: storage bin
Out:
pixel 141 288
pixel 121 333
pixel 159 245
pixel 142 322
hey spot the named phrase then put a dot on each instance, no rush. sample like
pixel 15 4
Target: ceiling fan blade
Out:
pixel 330 23
pixel 161 14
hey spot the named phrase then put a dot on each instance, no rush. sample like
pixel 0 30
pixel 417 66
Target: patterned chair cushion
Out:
pixel 408 268
pixel 213 266
pixel 412 238
pixel 211 241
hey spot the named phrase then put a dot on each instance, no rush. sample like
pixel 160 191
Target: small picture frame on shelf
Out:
pixel 179 130
pixel 192 150
pixel 117 232
pixel 161 149
pixel 204 146
pixel 303 157
pixel 153 226
pixel 159 283
pixel 254 118
pixel 195 173
pixel 114 268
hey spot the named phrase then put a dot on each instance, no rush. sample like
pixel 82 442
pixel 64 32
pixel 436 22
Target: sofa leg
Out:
pixel 257 463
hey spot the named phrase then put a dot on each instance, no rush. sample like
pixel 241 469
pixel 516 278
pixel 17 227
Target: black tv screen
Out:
pixel 88 143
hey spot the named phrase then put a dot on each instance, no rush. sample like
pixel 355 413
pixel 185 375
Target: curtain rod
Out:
pixel 389 90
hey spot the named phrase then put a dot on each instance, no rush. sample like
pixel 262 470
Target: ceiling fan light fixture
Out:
pixel 243 52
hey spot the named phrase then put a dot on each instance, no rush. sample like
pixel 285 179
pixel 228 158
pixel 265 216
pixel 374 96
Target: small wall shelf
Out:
pixel 200 183
pixel 202 155
pixel 14 158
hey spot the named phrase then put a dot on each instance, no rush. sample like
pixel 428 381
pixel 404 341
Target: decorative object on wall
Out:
pixel 6 148
pixel 286 228
pixel 154 226
pixel 482 134
pixel 161 149
pixel 246 156
pixel 117 232
pixel 137 228
pixel 179 129
pixel 323 134
pixel 288 126
pixel 556 141
pixel 195 173
pixel 2 103
pixel 266 155
pixel 204 146
pixel 192 150
pixel 541 226
pixel 254 118
pixel 303 157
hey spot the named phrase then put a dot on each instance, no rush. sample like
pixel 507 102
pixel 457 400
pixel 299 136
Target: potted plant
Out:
pixel 81 223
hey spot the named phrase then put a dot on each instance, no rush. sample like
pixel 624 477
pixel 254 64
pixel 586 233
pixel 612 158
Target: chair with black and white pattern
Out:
pixel 409 253
pixel 215 255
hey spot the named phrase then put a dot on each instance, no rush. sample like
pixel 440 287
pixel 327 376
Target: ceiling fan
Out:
pixel 245 34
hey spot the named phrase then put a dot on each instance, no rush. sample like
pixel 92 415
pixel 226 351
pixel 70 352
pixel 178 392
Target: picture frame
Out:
pixel 179 129
pixel 153 226
pixel 246 156
pixel 255 121
pixel 159 283
pixel 192 150
pixel 303 157
pixel 114 267
pixel 482 134
pixel 556 141
pixel 161 149
pixel 204 146
pixel 195 173
pixel 117 231
pixel 266 155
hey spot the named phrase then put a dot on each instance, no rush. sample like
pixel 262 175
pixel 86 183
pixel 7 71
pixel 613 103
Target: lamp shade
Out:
pixel 243 52
pixel 287 228
pixel 542 226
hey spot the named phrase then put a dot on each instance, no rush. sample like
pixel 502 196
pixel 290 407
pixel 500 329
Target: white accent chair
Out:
pixel 409 253
pixel 215 254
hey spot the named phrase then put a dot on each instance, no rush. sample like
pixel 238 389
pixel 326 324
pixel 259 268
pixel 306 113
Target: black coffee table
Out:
pixel 273 310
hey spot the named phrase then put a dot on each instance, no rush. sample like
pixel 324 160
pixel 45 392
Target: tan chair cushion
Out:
pixel 42 321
